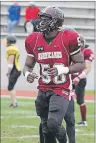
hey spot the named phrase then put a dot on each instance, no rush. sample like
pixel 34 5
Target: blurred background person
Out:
pixel 13 17
pixel 80 81
pixel 14 71
pixel 31 15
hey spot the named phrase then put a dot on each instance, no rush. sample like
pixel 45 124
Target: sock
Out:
pixel 13 96
pixel 83 112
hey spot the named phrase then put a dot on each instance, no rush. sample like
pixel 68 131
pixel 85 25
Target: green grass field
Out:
pixel 20 125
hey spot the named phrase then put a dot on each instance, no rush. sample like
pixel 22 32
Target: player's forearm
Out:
pixel 88 66
pixel 9 70
pixel 27 69
pixel 77 67
pixel 84 73
pixel 29 64
pixel 10 67
pixel 87 70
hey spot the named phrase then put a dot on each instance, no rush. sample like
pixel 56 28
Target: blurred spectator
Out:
pixel 31 14
pixel 14 16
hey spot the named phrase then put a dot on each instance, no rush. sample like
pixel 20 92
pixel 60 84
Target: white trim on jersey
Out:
pixel 73 53
pixel 30 55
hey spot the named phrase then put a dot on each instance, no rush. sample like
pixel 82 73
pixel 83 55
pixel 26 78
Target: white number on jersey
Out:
pixel 57 79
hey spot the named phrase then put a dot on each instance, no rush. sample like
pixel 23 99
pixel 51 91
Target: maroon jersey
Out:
pixel 88 55
pixel 58 52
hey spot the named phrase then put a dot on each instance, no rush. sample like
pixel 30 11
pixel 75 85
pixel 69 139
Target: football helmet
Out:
pixel 10 40
pixel 50 18
pixel 83 42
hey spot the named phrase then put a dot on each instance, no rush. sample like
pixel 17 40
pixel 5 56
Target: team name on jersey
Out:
pixel 49 55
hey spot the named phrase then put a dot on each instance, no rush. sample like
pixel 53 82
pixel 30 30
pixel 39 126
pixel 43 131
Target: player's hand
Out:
pixel 31 77
pixel 76 80
pixel 52 72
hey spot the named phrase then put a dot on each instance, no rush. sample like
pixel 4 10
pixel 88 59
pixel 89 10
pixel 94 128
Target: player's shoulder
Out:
pixel 70 32
pixel 71 35
pixel 12 49
pixel 88 51
pixel 31 37
pixel 88 54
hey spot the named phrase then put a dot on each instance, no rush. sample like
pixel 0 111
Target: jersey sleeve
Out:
pixel 74 43
pixel 88 55
pixel 11 51
pixel 30 42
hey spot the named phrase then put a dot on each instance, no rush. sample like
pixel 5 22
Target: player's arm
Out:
pixel 89 56
pixel 76 57
pixel 10 64
pixel 79 64
pixel 83 73
pixel 28 69
pixel 29 64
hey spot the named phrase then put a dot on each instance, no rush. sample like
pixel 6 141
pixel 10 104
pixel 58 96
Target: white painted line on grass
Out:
pixel 37 136
pixel 21 112
pixel 21 137
pixel 24 126
pixel 21 117
pixel 78 130
pixel 92 134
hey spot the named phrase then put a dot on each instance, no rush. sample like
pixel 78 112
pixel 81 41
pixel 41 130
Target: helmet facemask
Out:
pixel 46 24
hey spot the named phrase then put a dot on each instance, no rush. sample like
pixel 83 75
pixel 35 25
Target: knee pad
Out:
pixel 61 134
pixel 52 125
pixel 80 101
pixel 10 87
pixel 57 130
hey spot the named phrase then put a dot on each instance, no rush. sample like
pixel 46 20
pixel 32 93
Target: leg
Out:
pixel 70 122
pixel 80 92
pixel 9 27
pixel 25 26
pixel 41 134
pixel 12 25
pixel 42 108
pixel 57 109
pixel 12 81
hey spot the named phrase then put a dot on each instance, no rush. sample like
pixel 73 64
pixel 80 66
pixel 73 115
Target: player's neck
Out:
pixel 51 34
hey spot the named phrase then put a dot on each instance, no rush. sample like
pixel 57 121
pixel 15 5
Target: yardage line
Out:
pixel 24 126
pixel 2 117
pixel 37 136
pixel 22 137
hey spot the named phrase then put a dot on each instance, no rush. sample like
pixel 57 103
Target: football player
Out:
pixel 14 71
pixel 69 116
pixel 80 80
pixel 54 50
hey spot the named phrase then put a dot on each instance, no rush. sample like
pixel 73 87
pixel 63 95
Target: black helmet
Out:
pixel 11 40
pixel 50 18
pixel 83 42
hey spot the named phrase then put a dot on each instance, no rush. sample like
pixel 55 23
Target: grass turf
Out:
pixel 20 125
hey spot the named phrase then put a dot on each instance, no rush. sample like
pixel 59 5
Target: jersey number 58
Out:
pixel 47 79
